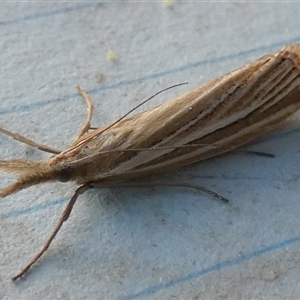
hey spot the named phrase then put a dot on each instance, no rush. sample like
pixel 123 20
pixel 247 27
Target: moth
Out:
pixel 217 117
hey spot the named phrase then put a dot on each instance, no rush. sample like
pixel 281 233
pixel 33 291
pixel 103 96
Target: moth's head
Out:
pixel 64 173
pixel 29 173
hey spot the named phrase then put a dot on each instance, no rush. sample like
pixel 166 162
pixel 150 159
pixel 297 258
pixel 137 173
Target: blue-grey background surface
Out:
pixel 160 243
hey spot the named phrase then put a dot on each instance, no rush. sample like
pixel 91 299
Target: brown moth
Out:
pixel 217 117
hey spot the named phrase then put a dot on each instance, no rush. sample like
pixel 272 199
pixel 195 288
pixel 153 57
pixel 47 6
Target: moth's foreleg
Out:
pixel 64 217
pixel 90 109
pixel 20 138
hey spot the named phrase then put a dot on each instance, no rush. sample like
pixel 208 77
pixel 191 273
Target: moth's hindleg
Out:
pixel 160 183
pixel 90 108
pixel 257 153
pixel 20 138
pixel 64 217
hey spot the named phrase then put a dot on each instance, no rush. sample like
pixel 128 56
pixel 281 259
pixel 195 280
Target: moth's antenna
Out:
pixel 142 103
pixel 96 133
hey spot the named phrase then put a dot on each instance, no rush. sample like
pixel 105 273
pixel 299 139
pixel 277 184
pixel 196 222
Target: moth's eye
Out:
pixel 64 174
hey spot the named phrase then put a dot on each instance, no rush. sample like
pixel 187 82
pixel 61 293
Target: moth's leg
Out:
pixel 257 153
pixel 20 138
pixel 160 183
pixel 90 108
pixel 64 217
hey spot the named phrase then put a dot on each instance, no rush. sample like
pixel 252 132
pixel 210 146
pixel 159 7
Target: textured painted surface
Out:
pixel 161 243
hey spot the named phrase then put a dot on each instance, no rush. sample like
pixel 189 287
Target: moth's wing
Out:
pixel 219 116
